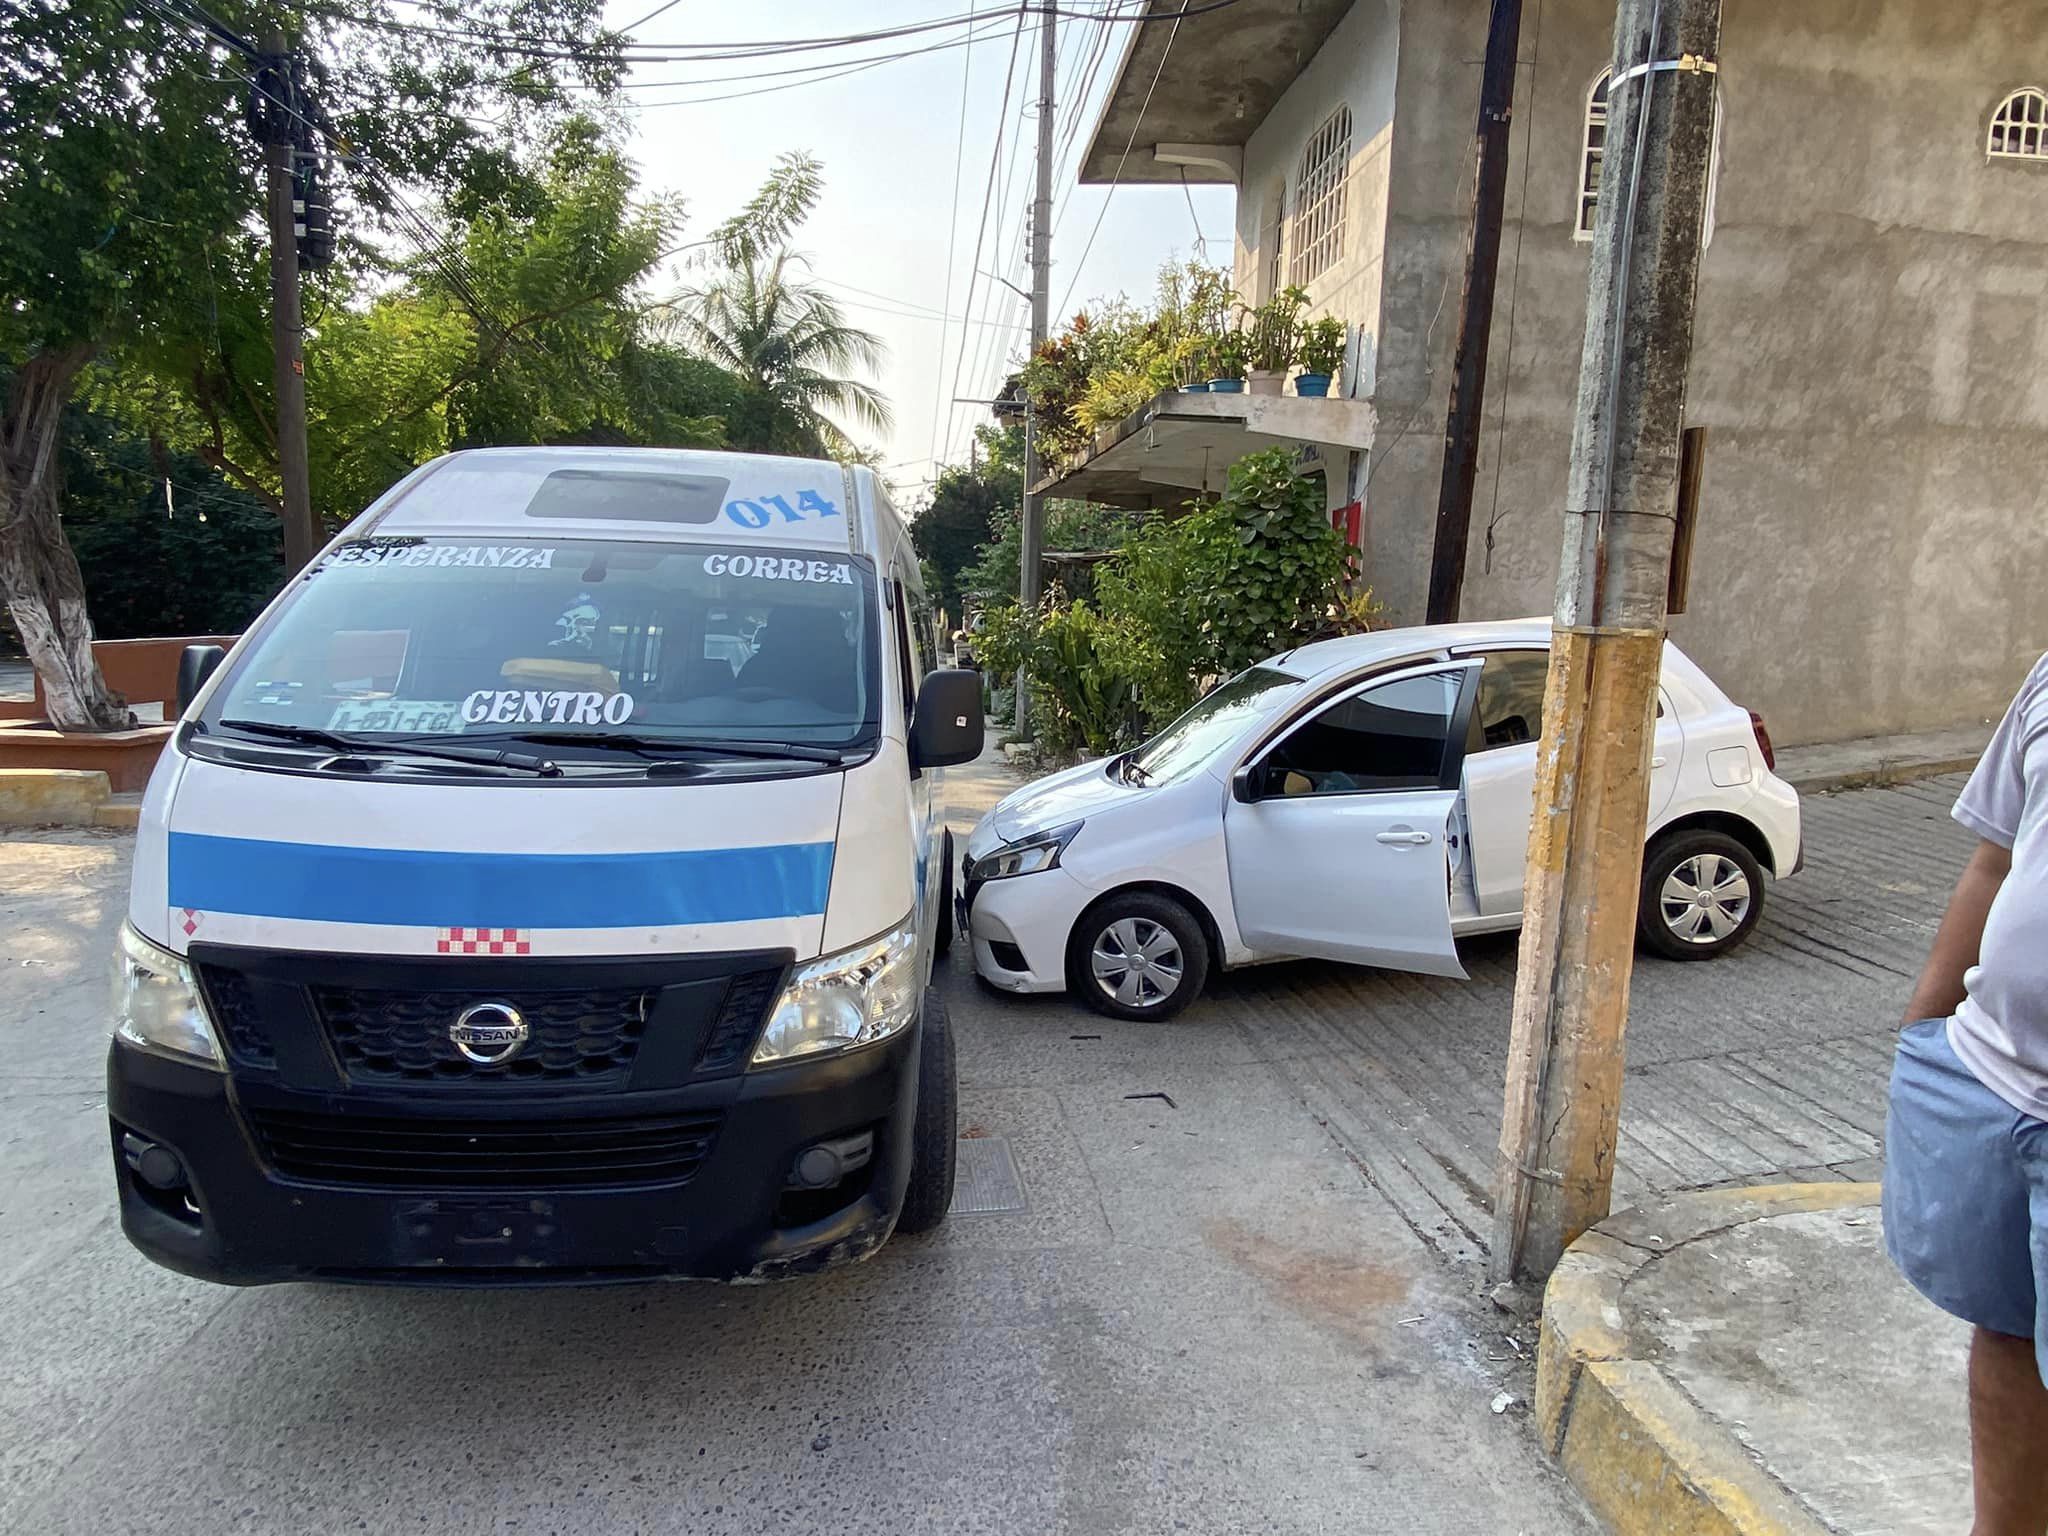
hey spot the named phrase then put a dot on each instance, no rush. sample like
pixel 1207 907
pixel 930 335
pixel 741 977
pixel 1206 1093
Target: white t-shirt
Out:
pixel 2001 1028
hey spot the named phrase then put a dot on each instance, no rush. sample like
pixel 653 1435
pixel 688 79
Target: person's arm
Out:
pixel 1940 987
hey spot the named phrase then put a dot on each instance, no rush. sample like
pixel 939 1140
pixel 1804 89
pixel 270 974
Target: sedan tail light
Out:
pixel 1763 741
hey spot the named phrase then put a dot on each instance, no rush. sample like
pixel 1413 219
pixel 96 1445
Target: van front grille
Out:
pixel 433 1153
pixel 588 1036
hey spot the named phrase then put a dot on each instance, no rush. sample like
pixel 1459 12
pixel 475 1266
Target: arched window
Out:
pixel 1319 198
pixel 2019 128
pixel 1591 150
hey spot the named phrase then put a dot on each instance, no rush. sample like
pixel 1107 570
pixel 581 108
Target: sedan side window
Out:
pixel 1389 737
pixel 1510 708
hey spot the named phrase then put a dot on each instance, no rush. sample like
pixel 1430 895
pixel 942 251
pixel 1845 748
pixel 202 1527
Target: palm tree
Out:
pixel 793 351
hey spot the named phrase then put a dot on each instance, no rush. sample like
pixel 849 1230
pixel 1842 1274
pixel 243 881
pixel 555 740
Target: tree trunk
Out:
pixel 39 575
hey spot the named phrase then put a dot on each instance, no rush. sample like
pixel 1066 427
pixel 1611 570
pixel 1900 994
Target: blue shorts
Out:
pixel 1966 1192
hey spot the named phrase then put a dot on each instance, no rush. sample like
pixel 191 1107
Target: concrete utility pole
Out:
pixel 1032 535
pixel 301 533
pixel 1475 324
pixel 1599 715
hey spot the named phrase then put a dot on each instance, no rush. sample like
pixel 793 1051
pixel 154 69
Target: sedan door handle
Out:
pixel 1403 838
pixel 1656 762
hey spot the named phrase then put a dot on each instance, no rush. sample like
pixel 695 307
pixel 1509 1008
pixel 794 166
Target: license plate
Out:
pixel 397 715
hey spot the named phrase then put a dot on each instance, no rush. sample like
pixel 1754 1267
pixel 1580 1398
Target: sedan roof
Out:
pixel 1351 652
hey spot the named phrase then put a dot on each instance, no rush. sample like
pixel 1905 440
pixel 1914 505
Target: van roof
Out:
pixel 702 497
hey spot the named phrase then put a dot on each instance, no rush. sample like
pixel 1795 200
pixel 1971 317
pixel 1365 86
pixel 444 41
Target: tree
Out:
pixel 961 515
pixel 128 185
pixel 793 350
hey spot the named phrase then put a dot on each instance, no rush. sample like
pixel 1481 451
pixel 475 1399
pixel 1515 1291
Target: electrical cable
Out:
pixel 1136 123
pixel 981 229
pixel 952 239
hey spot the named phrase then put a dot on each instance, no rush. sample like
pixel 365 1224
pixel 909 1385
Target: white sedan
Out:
pixel 1364 799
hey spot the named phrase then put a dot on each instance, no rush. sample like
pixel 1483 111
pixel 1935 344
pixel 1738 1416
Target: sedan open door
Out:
pixel 1339 830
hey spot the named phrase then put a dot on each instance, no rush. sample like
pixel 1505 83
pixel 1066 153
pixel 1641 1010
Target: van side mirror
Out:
pixel 195 666
pixel 947 728
pixel 1244 785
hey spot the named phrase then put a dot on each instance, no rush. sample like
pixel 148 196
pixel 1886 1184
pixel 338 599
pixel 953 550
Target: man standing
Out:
pixel 1966 1144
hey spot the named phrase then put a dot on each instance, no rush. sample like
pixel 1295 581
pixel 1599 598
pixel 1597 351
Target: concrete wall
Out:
pixel 1356 67
pixel 1871 358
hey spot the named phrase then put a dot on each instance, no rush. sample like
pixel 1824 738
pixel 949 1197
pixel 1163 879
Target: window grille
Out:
pixel 1319 198
pixel 2019 128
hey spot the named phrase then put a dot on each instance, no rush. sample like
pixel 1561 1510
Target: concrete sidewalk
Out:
pixel 1870 760
pixel 1747 1360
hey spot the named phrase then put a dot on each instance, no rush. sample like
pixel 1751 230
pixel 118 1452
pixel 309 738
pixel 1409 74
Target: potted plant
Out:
pixel 1227 358
pixel 1322 355
pixel 1271 334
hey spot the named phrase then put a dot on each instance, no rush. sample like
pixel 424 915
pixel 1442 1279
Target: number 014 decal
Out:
pixel 763 510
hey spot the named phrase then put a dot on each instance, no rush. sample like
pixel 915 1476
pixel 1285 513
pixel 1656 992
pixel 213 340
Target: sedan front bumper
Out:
pixel 1019 928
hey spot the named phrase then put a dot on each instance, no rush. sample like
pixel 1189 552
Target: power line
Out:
pixel 952 239
pixel 822 74
pixel 1136 124
pixel 981 229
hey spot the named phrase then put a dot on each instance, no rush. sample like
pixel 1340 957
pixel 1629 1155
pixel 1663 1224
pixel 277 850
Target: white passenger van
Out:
pixel 547 887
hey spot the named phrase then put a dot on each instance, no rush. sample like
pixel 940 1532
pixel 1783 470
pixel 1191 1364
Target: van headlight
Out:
pixel 1026 856
pixel 855 997
pixel 156 1005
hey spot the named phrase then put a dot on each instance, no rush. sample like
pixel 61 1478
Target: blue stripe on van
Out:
pixel 320 882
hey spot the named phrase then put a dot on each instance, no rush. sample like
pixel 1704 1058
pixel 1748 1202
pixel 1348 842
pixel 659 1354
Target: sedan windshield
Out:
pixel 567 638
pixel 1219 719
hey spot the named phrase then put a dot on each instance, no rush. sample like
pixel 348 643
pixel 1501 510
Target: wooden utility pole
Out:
pixel 281 118
pixel 1599 714
pixel 1032 535
pixel 1475 321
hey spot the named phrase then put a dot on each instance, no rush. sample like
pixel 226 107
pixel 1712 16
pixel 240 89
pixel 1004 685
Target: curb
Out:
pixel 1880 774
pixel 52 797
pixel 1645 1457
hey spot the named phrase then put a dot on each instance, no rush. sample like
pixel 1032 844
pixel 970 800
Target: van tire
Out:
pixel 942 939
pixel 1698 859
pixel 934 1137
pixel 1141 915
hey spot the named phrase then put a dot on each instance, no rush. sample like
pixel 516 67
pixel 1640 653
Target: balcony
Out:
pixel 1176 444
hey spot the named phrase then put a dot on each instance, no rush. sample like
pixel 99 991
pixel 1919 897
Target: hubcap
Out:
pixel 1137 961
pixel 1705 898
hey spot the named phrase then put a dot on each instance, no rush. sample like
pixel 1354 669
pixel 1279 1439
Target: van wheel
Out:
pixel 942 940
pixel 1702 894
pixel 1138 955
pixel 934 1140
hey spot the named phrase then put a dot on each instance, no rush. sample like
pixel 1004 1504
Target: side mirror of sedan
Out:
pixel 1244 787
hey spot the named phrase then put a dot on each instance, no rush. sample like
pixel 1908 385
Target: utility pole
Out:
pixel 1565 1058
pixel 1032 534
pixel 280 117
pixel 1475 322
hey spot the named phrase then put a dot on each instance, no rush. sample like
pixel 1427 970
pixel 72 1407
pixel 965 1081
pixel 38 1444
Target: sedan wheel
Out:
pixel 1702 894
pixel 1706 898
pixel 1138 955
pixel 1137 962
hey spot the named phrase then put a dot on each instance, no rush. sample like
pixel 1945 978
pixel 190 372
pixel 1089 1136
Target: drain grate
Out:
pixel 985 1178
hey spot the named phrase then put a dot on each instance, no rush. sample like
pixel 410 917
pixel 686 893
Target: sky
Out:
pixel 892 144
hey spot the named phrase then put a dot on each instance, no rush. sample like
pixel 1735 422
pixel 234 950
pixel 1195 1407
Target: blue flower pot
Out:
pixel 1201 388
pixel 1226 386
pixel 1312 384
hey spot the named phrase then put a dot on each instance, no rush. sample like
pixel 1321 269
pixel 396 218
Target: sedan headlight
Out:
pixel 156 1005
pixel 1026 856
pixel 838 1001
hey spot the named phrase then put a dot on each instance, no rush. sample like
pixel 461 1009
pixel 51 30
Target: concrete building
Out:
pixel 1871 358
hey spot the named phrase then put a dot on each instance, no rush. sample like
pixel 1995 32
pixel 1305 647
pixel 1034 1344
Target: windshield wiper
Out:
pixel 403 746
pixel 667 747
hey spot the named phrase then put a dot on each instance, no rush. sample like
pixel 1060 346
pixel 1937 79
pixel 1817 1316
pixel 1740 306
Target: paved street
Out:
pixel 1230 1313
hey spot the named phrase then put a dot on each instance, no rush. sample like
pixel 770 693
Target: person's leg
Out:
pixel 2008 1436
pixel 1958 1225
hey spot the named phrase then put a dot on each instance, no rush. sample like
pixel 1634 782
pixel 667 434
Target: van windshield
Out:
pixel 404 635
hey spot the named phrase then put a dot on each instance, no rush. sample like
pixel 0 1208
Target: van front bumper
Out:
pixel 237 1220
